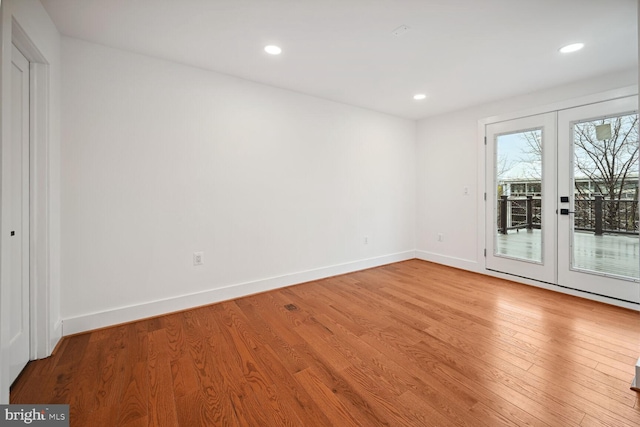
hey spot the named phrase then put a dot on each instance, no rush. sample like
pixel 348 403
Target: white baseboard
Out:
pixel 463 264
pixel 563 290
pixel 87 322
pixel 55 337
pixel 635 385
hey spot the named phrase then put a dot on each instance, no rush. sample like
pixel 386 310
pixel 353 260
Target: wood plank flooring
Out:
pixel 408 344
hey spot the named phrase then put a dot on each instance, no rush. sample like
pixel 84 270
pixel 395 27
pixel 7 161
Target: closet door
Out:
pixel 18 218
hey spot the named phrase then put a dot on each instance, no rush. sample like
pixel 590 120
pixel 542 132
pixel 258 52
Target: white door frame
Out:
pixel 39 215
pixel 481 168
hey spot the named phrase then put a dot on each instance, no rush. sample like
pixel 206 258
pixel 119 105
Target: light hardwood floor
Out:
pixel 408 344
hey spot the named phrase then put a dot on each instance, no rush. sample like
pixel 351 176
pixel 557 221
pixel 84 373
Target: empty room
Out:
pixel 319 213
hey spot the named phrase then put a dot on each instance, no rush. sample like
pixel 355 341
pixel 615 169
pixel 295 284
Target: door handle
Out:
pixel 565 212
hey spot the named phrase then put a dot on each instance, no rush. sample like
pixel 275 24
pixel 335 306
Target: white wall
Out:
pixel 637 369
pixel 34 20
pixel 447 161
pixel 160 160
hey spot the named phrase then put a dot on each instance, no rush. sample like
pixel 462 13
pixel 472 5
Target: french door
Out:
pixel 562 198
pixel 521 189
pixel 598 221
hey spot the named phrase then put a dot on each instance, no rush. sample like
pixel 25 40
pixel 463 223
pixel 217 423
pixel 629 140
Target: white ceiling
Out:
pixel 459 52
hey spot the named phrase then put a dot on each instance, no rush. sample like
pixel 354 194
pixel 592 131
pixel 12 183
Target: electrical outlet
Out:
pixel 198 258
pixel 440 237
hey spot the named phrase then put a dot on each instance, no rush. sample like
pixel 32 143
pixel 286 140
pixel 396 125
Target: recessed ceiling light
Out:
pixel 572 47
pixel 273 50
pixel 419 96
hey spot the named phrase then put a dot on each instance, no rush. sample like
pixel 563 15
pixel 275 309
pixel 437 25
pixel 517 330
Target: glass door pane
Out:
pixel 605 190
pixel 518 213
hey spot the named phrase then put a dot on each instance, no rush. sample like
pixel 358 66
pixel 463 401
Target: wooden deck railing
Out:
pixel 606 216
pixel 597 215
pixel 516 213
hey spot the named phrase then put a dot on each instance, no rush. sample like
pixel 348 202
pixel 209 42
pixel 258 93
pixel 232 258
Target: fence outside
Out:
pixel 594 214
